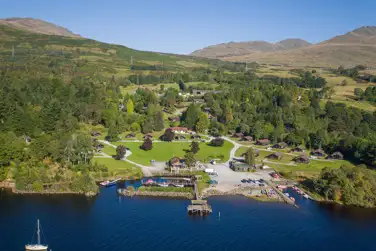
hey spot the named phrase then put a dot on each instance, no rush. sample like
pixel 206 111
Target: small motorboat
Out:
pixel 287 194
pixel 163 184
pixel 108 183
pixel 292 199
pixel 244 181
pixel 306 196
pixel 179 185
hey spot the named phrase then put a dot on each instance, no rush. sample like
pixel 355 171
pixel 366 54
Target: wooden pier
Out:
pixel 199 207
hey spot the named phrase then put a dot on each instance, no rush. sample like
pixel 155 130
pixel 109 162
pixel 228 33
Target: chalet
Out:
pixel 276 155
pixel 298 149
pixel 199 101
pixel 130 135
pixel 148 136
pixel 318 153
pixel 336 155
pixel 238 135
pixel 247 138
pixel 27 139
pixel 302 159
pixel 280 145
pixel 263 142
pixel 99 146
pixel 177 129
pixel 177 163
pixel 95 134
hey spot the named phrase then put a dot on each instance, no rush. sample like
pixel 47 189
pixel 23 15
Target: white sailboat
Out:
pixel 38 246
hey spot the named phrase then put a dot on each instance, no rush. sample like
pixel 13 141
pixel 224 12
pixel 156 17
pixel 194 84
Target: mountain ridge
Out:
pixel 355 47
pixel 38 26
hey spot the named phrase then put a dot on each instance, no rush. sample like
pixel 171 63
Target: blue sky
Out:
pixel 182 26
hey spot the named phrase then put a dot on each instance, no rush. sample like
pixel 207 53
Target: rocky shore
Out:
pixel 254 194
pixel 131 193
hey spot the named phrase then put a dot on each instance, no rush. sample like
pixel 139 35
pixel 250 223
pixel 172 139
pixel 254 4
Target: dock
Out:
pixel 199 207
pixel 283 196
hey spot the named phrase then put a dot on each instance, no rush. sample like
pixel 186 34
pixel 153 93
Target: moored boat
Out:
pixel 179 185
pixel 108 183
pixel 38 246
pixel 163 185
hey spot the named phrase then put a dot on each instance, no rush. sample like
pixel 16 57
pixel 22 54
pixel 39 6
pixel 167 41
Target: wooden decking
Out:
pixel 199 207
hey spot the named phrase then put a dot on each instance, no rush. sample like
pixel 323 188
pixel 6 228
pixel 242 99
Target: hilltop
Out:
pixel 355 47
pixel 242 48
pixel 31 50
pixel 37 26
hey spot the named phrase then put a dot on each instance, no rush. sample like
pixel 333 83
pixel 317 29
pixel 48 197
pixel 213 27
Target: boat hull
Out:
pixel 36 248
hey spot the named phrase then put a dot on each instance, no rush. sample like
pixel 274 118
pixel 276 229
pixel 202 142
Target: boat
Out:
pixel 108 183
pixel 38 246
pixel 287 194
pixel 163 185
pixel 179 185
pixel 306 196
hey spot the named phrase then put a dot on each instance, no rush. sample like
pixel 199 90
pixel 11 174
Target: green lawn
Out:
pixel 119 168
pixel 109 150
pixel 163 151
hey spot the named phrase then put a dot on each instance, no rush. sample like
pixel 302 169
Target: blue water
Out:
pixel 109 222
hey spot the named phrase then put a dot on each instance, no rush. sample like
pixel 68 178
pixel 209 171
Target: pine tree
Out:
pixel 249 157
pixel 195 147
pixel 147 145
pixel 203 123
pixel 130 106
pixel 120 152
pixel 158 121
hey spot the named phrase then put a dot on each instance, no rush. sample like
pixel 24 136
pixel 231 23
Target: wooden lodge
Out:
pixel 247 138
pixel 302 159
pixel 238 135
pixel 95 133
pixel 148 136
pixel 318 153
pixel 263 142
pixel 277 155
pixel 130 135
pixel 298 149
pixel 280 145
pixel 199 207
pixel 336 156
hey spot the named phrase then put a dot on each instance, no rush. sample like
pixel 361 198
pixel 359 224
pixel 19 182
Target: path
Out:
pixel 147 170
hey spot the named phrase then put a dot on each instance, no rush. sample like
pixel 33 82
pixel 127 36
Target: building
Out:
pixel 336 155
pixel 318 153
pixel 298 149
pixel 178 129
pixel 198 92
pixel 176 163
pixel 263 142
pixel 240 167
pixel 280 145
pixel 302 159
pixel 247 138
pixel 238 135
pixel 276 155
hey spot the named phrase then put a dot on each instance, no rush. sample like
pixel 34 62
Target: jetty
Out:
pixel 199 207
pixel 283 196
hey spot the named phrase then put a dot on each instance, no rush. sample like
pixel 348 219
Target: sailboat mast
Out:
pixel 38 233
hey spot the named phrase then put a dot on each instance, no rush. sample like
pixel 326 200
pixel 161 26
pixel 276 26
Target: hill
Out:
pixel 37 26
pixel 355 47
pixel 241 48
pixel 66 56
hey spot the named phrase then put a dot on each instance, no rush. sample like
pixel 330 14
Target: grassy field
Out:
pixel 164 151
pixel 119 168
pixel 345 94
pixel 156 87
pixel 307 170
